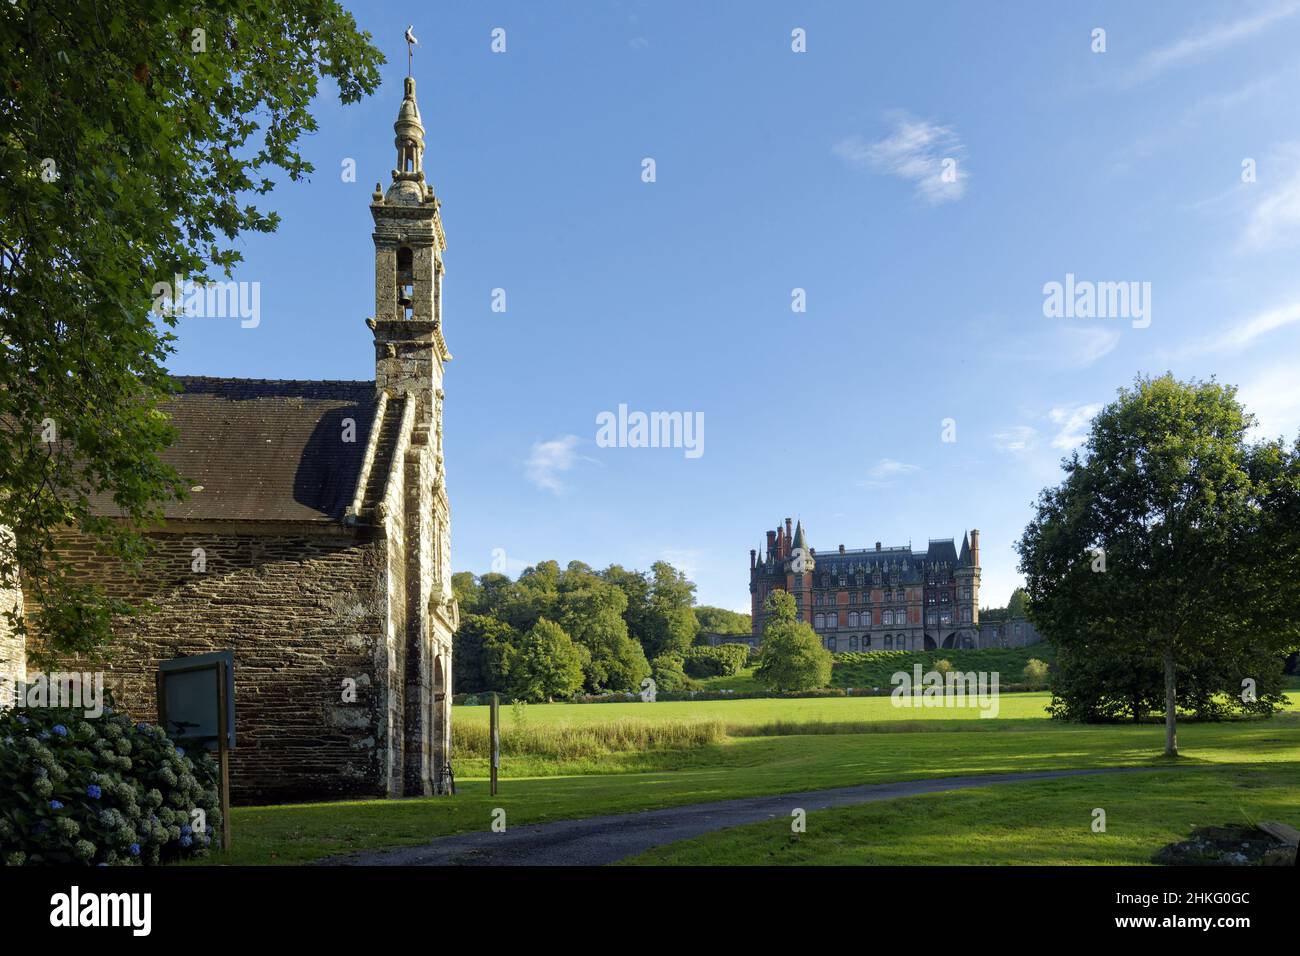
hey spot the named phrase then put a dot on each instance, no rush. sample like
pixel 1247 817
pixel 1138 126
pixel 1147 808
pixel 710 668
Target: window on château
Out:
pixel 819 622
pixel 889 642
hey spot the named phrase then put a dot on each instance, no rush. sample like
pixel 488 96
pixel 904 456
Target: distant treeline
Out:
pixel 555 632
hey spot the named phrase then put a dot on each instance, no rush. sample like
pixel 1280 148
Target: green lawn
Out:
pixel 754 712
pixel 1042 823
pixel 883 747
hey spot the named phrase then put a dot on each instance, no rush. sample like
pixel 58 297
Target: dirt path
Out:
pixel 594 841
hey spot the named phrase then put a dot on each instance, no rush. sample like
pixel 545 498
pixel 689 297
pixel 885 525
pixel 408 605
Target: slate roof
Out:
pixel 264 450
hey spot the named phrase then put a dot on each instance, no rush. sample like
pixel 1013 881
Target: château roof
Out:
pixel 265 450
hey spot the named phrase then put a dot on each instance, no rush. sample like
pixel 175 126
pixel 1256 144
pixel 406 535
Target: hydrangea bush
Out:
pixel 103 790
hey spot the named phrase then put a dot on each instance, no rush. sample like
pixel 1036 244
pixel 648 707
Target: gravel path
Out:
pixel 594 841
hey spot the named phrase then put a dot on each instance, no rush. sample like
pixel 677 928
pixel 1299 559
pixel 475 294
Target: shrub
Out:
pixel 943 666
pixel 1036 673
pixel 669 677
pixel 725 660
pixel 79 790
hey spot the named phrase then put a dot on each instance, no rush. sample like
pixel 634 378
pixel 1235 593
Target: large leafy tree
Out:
pixel 671 619
pixel 590 610
pixel 135 138
pixel 1172 542
pixel 792 656
pixel 484 650
pixel 547 664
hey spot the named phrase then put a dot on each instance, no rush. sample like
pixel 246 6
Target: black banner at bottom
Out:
pixel 483 905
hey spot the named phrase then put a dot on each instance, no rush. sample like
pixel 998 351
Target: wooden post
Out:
pixel 496 739
pixel 223 752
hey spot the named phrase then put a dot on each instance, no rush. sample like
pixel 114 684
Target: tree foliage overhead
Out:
pixel 1170 545
pixel 136 138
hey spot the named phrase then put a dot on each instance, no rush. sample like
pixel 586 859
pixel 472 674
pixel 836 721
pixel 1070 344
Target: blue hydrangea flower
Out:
pixel 23 720
pixel 185 830
pixel 186 841
pixel 60 730
pixel 135 849
pixel 180 751
pixel 56 805
pixel 94 792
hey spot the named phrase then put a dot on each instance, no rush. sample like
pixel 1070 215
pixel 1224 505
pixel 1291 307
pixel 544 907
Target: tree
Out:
pixel 636 588
pixel 483 649
pixel 792 656
pixel 1018 605
pixel 1171 540
pixel 670 620
pixel 668 671
pixel 546 664
pixel 590 609
pixel 465 588
pixel 1035 672
pixel 718 620
pixel 135 137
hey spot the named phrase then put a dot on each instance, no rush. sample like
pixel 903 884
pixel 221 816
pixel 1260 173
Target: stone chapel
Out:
pixel 315 543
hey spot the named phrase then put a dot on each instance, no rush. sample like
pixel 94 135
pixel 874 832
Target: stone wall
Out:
pixel 13 649
pixel 303 610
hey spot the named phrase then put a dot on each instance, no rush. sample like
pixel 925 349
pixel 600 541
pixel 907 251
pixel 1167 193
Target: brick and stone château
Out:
pixel 877 599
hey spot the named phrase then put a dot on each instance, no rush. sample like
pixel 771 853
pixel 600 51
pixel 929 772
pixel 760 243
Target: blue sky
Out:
pixel 822 171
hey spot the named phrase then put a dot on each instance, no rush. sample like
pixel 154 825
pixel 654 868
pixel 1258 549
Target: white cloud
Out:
pixel 1208 40
pixel 1015 439
pixel 1072 422
pixel 1276 217
pixel 917 151
pixel 884 472
pixel 550 459
pixel 685 560
pixel 1243 332
pixel 1273 396
pixel 1084 345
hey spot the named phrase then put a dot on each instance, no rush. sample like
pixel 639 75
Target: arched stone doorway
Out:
pixel 441 723
pixel 930 645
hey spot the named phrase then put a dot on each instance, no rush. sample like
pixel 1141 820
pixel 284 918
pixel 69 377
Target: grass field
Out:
pixel 750 747
pixel 1041 823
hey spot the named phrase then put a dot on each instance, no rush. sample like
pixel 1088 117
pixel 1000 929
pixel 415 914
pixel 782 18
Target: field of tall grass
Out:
pixel 577 741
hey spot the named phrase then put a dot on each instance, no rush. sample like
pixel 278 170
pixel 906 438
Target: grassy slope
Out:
pixel 751 765
pixel 874 669
pixel 1042 823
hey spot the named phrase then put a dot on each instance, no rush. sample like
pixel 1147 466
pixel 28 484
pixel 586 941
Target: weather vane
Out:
pixel 411 43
